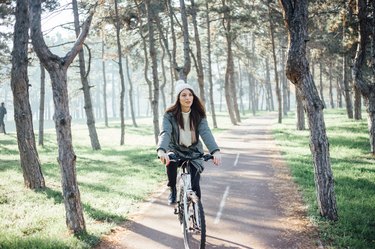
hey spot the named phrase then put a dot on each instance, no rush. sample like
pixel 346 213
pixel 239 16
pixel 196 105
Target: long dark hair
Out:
pixel 196 115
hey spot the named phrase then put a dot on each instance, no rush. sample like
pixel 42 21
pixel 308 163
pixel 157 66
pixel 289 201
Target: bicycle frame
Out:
pixel 189 207
pixel 189 194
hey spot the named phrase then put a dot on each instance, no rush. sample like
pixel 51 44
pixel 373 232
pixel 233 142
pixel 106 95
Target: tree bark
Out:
pixel 297 70
pixel 130 92
pixel 339 93
pixel 174 48
pixel 121 73
pixel 90 119
pixel 300 111
pixel 229 73
pixel 57 68
pixel 321 87
pixel 268 91
pixel 357 103
pixel 200 72
pixel 278 91
pixel 29 158
pixel 164 75
pixel 41 104
pixel 331 87
pixel 285 86
pixel 347 91
pixel 185 70
pixel 154 67
pixel 104 84
pixel 365 86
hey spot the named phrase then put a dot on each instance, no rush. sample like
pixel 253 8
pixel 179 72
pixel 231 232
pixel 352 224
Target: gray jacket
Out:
pixel 169 140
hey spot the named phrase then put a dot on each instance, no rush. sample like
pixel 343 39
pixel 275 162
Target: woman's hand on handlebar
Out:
pixel 217 158
pixel 164 158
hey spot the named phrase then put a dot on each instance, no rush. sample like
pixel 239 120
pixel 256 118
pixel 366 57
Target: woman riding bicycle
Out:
pixel 183 123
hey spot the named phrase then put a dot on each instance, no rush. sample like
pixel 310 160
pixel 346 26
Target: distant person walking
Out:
pixel 3 111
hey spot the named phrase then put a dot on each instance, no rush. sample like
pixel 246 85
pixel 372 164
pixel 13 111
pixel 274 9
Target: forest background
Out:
pixel 235 52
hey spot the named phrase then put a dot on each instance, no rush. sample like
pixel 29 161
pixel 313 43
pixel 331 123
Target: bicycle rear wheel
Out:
pixel 195 227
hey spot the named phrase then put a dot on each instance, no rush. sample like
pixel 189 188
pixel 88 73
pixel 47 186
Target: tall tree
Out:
pixel 363 83
pixel 154 66
pixel 121 73
pixel 185 70
pixel 278 90
pixel 30 164
pixel 57 68
pixel 229 87
pixel 347 90
pixel 41 104
pixel 104 82
pixel 90 119
pixel 297 71
pixel 131 102
pixel 199 67
pixel 300 111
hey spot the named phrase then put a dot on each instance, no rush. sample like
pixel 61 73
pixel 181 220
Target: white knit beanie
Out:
pixel 181 85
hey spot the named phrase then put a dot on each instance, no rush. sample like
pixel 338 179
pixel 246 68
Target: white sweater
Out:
pixel 186 136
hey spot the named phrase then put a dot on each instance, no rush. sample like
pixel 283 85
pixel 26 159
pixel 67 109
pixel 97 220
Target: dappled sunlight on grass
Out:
pixel 354 176
pixel 111 182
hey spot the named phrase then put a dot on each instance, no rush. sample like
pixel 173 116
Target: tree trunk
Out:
pixel 130 92
pixel 366 87
pixel 104 85
pixel 41 105
pixel 174 47
pixel 339 93
pixel 90 119
pixel 209 70
pixel 240 88
pixel 200 72
pixel 297 71
pixel 278 91
pixel 321 87
pixel 285 86
pixel 347 91
pixel 252 81
pixel 29 159
pixel 121 73
pixel 300 111
pixel 357 103
pixel 57 68
pixel 331 87
pixel 165 50
pixel 269 96
pixel 230 88
pixel 185 70
pixel 164 75
pixel 154 67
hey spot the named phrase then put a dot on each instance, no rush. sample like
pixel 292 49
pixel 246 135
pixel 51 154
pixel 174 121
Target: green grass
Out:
pixel 354 177
pixel 112 181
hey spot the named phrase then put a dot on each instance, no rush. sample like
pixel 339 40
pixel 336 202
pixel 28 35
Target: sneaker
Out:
pixel 172 196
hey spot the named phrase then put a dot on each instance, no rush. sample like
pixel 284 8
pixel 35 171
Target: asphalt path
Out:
pixel 241 206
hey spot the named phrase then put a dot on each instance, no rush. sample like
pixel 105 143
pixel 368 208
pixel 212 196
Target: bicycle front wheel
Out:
pixel 195 226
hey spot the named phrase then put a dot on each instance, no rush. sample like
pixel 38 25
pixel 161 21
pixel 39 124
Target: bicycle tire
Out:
pixel 195 230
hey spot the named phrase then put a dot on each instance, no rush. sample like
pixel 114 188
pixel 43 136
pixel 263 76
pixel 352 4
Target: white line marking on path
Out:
pixel 222 204
pixel 236 161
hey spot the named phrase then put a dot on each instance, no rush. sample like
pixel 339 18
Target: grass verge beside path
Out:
pixel 354 176
pixel 111 182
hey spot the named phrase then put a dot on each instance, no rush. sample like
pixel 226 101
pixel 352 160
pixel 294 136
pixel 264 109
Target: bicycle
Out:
pixel 189 208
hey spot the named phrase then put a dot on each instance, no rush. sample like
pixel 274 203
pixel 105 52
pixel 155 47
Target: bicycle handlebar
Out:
pixel 173 157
